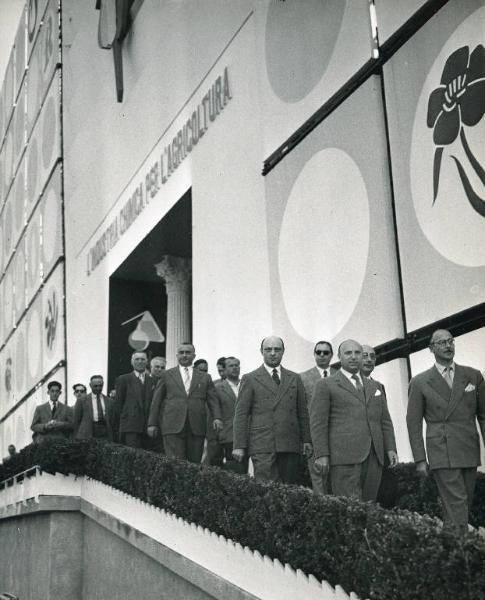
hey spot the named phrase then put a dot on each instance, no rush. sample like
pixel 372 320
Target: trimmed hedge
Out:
pixel 379 554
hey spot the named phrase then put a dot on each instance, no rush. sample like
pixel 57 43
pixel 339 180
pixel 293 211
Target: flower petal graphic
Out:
pixel 455 65
pixel 435 105
pixel 436 171
pixel 447 128
pixel 473 103
pixel 476 70
pixel 477 203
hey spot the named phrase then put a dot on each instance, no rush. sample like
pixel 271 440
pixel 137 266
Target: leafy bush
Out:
pixel 378 553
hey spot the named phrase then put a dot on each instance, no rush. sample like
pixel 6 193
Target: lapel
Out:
pixel 285 382
pixel 459 384
pixel 89 405
pixel 265 379
pixel 370 387
pixel 196 377
pixel 347 385
pixel 227 389
pixel 177 378
pixel 438 384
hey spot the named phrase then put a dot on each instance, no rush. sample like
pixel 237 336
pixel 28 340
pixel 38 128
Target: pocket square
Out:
pixel 378 393
pixel 470 387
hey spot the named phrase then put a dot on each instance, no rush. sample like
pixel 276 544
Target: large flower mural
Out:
pixel 459 101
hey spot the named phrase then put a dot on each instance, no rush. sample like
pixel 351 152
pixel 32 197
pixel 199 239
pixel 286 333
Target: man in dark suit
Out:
pixel 53 419
pixel 450 398
pixel 271 417
pixel 95 413
pixel 228 391
pixel 351 427
pixel 133 397
pixel 181 398
pixel 322 353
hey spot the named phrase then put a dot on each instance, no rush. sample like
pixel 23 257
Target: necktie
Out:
pixel 54 408
pixel 100 408
pixel 186 379
pixel 447 376
pixel 276 377
pixel 141 376
pixel 325 374
pixel 358 384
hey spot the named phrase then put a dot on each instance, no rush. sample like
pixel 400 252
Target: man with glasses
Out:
pixel 322 353
pixel 450 398
pixel 95 414
pixel 79 390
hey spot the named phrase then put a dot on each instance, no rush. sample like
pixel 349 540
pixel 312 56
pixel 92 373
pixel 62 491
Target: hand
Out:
pixel 322 464
pixel 422 468
pixel 393 459
pixel 307 449
pixel 152 431
pixel 238 454
pixel 217 425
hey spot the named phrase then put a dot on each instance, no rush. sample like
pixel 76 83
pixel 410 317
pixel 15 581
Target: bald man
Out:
pixel 351 427
pixel 450 398
pixel 271 417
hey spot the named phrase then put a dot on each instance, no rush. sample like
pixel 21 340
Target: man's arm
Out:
pixel 213 403
pixel 414 420
pixel 388 431
pixel 319 415
pixel 67 422
pixel 37 425
pixel 158 398
pixel 481 405
pixel 303 419
pixel 241 415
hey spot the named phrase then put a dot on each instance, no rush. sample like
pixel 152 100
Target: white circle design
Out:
pixel 321 271
pixel 450 224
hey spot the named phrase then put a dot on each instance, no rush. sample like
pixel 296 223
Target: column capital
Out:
pixel 175 270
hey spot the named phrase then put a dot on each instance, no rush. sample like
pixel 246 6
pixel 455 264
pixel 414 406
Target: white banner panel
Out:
pixel 7 376
pixel 3 190
pixel 35 11
pixel 51 210
pixel 19 269
pixel 435 92
pixel 34 348
pixel 7 89
pixel 20 360
pixel 8 157
pixel 53 342
pixel 43 62
pixel 392 14
pixel 19 201
pixel 19 127
pixel 8 227
pixel 20 51
pixel 309 49
pixel 45 145
pixel 7 308
pixel 331 244
pixel 33 255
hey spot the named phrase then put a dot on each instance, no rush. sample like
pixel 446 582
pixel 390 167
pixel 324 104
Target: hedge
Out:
pixel 377 553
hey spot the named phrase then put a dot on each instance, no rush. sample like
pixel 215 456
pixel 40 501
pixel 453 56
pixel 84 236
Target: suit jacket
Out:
pixel 133 401
pixel 172 405
pixel 310 379
pixel 344 424
pixel 43 414
pixel 451 415
pixel 271 417
pixel 83 417
pixel 227 400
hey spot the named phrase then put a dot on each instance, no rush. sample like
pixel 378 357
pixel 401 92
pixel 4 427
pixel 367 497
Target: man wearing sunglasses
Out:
pixel 450 398
pixel 323 354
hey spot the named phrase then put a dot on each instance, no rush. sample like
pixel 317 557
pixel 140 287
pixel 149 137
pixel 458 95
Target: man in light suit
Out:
pixel 228 392
pixel 351 427
pixel 95 414
pixel 53 419
pixel 450 398
pixel 271 417
pixel 133 398
pixel 322 353
pixel 180 401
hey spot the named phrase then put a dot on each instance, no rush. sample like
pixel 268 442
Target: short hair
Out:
pixel 431 339
pixel 76 385
pixel 268 336
pixel 323 342
pixel 344 342
pixel 200 361
pixel 96 377
pixel 158 358
pixel 186 344
pixel 52 384
pixel 221 361
pixel 138 352
pixel 232 358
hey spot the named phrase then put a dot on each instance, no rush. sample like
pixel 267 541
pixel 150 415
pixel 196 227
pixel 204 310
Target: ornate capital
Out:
pixel 176 271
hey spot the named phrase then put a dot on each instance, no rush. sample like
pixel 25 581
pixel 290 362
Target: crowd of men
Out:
pixel 338 419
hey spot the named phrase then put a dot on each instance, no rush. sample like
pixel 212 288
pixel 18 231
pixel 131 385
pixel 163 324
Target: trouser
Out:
pixel 100 431
pixel 456 487
pixel 133 439
pixel 185 445
pixel 276 466
pixel 360 480
pixel 319 480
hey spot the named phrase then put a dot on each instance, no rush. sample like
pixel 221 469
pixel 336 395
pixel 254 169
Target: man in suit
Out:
pixel 133 398
pixel 450 398
pixel 215 452
pixel 228 391
pixel 351 427
pixel 368 360
pixel 158 364
pixel 95 414
pixel 271 417
pixel 181 398
pixel 322 353
pixel 53 419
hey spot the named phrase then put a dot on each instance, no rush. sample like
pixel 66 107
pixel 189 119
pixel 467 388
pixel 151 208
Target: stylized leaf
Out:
pixel 436 171
pixel 476 68
pixel 477 203
pixel 477 167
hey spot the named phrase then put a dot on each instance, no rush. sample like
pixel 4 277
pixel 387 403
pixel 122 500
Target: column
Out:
pixel 177 274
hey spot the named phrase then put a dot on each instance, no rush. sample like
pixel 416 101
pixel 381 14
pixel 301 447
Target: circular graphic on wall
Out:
pixel 299 42
pixel 34 335
pixel 321 273
pixel 447 162
pixel 52 306
pixel 51 215
pixel 49 129
pixel 32 171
